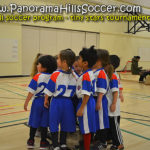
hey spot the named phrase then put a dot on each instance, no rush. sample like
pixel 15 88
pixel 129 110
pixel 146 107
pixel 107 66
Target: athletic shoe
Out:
pixel 64 147
pixel 30 143
pixel 100 146
pixel 52 148
pixel 44 144
pixel 120 147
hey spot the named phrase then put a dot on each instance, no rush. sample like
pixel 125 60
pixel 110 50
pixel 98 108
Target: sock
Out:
pixel 63 137
pixel 43 133
pixel 87 141
pixel 55 139
pixel 32 132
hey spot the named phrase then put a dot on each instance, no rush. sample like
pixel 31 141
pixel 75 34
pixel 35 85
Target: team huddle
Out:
pixel 68 90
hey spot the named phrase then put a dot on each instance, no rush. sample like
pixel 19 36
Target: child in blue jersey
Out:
pixel 102 84
pixel 76 68
pixel 62 86
pixel 115 94
pixel 77 71
pixel 85 90
pixel 39 114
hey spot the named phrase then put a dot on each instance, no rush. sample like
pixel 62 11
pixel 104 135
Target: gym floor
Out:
pixel 135 115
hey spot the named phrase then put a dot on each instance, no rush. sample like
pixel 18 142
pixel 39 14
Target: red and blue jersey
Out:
pixel 86 84
pixel 38 84
pixel 61 84
pixel 114 83
pixel 102 83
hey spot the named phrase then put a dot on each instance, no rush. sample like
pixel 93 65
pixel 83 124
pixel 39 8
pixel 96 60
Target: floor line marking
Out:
pixel 138 135
pixel 12 92
pixel 13 113
pixel 7 108
pixel 12 125
pixel 13 121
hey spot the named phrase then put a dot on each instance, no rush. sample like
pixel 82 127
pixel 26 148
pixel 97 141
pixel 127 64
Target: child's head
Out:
pixel 34 66
pixel 46 64
pixel 104 61
pixel 66 59
pixel 115 61
pixel 87 57
pixel 103 57
pixel 76 66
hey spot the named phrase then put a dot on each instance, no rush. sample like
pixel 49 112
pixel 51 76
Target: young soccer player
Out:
pixel 35 63
pixel 33 73
pixel 76 68
pixel 114 106
pixel 102 84
pixel 39 114
pixel 77 71
pixel 62 86
pixel 85 90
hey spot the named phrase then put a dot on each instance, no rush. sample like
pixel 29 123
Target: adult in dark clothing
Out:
pixel 143 76
pixel 138 70
pixel 135 69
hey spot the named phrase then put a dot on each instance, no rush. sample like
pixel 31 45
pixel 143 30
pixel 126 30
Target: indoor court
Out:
pixel 135 122
pixel 30 27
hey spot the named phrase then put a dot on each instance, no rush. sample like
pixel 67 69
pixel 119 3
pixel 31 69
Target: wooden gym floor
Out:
pixel 135 113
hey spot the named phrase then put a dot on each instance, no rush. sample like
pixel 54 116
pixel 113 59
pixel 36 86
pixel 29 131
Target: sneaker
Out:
pixel 44 144
pixel 100 146
pixel 120 147
pixel 64 147
pixel 52 148
pixel 30 143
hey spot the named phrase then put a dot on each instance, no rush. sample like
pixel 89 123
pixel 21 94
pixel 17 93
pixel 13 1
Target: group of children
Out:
pixel 92 78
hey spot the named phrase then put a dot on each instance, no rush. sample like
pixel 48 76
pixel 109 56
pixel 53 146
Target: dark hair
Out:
pixel 103 56
pixel 137 57
pixel 89 55
pixel 77 57
pixel 69 56
pixel 48 62
pixel 115 61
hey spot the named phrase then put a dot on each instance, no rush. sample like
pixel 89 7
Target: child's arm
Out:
pixel 27 100
pixel 99 101
pixel 84 102
pixel 50 88
pixel 113 105
pixel 31 89
pixel 46 102
pixel 101 88
pixel 121 96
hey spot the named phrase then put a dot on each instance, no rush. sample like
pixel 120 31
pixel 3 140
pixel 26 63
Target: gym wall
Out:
pixel 112 36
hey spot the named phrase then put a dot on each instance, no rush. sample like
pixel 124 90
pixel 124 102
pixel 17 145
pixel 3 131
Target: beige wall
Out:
pixel 112 36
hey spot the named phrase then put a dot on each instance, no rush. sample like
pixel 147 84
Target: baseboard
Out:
pixel 14 76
